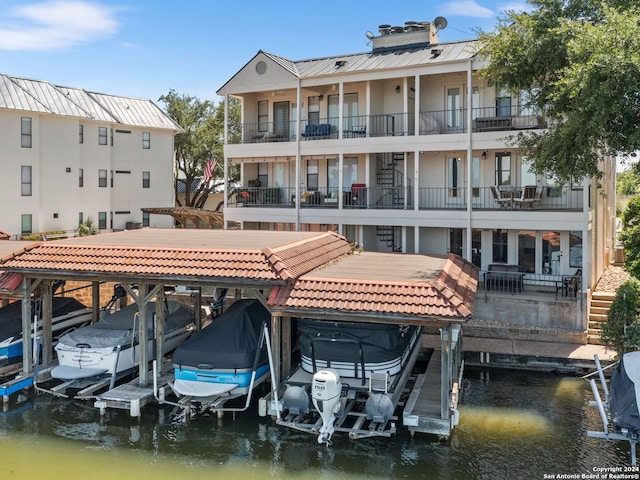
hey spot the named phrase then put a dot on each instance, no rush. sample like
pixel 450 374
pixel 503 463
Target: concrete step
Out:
pixel 598 310
pixel 594 340
pixel 595 317
pixel 605 296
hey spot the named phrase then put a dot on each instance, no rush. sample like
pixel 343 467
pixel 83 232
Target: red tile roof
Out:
pixel 9 281
pixel 122 256
pixel 4 235
pixel 449 296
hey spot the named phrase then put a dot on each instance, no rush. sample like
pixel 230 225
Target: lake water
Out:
pixel 513 425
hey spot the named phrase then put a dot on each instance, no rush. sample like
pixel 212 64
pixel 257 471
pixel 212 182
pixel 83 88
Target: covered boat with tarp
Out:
pixel 227 359
pixel 111 345
pixel 66 312
pixel 618 404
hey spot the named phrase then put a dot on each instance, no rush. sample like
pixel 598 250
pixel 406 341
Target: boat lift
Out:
pixel 609 430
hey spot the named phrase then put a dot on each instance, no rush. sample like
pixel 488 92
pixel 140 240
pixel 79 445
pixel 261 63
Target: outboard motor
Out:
pixel 325 393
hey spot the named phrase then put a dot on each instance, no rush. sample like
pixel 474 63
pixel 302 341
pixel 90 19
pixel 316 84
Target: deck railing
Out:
pixel 565 287
pixel 429 198
pixel 431 122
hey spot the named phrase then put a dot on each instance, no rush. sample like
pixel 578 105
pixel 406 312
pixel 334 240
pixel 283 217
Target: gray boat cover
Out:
pixel 117 328
pixel 229 342
pixel 11 315
pixel 380 342
pixel 624 389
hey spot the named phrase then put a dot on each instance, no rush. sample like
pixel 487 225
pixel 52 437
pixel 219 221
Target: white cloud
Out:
pixel 55 24
pixel 515 6
pixel 468 8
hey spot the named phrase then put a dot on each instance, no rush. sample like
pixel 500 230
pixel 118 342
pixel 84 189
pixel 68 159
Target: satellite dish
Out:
pixel 440 23
pixel 369 35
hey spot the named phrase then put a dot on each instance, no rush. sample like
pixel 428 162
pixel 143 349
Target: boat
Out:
pixel 225 360
pixel 619 404
pixel 350 379
pixel 67 313
pixel 110 346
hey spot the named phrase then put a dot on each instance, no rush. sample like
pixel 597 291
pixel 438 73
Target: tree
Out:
pixel 203 125
pixel 628 182
pixel 630 236
pixel 578 61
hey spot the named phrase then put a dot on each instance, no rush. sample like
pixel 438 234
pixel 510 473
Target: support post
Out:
pixel 47 321
pixel 445 371
pixel 143 338
pixel 27 345
pixel 159 330
pixel 286 346
pixel 95 302
pixel 276 346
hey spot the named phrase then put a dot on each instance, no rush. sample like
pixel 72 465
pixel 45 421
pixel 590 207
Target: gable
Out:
pixel 275 76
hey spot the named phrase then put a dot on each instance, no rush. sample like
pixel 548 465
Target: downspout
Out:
pixel 226 160
pixel 467 253
pixel 298 160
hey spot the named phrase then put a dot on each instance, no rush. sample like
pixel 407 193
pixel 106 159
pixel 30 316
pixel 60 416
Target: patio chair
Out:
pixel 502 201
pixel 529 197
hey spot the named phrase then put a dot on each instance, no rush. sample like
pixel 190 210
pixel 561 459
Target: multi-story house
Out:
pixel 69 156
pixel 405 148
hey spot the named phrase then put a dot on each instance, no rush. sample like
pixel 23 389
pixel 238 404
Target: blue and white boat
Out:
pixel 225 360
pixel 67 313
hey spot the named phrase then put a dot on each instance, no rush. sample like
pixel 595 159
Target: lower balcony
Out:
pixel 505 198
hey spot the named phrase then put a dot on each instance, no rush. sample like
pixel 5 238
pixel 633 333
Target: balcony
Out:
pixel 432 122
pixel 402 198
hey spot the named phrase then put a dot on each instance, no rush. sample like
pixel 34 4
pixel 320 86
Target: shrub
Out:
pixel 621 331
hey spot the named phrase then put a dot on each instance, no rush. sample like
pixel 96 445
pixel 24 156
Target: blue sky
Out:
pixel 143 48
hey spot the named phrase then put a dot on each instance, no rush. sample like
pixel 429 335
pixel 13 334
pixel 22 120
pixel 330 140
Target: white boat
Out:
pixel 67 313
pixel 111 346
pixel 350 378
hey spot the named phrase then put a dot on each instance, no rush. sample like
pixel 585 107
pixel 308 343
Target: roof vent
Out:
pixel 340 63
pixel 435 52
pixel 384 29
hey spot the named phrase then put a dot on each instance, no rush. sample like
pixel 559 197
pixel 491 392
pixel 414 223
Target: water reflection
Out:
pixel 512 425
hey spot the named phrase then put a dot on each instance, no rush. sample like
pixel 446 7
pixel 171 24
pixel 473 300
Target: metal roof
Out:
pixel 43 97
pixel 378 59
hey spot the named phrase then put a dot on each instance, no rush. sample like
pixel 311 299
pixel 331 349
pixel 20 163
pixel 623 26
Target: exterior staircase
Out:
pixel 598 309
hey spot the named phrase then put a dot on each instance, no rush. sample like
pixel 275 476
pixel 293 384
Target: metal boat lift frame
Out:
pixel 603 407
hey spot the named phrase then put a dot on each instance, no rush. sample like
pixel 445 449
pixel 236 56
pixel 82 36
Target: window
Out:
pixel 455 241
pixel 476 247
pixel 349 110
pixel 454 177
pixel 263 174
pixel 80 218
pixel 527 251
pixel 102 178
pixel 575 249
pixel 81 177
pixel 25 130
pixel 281 120
pixel 349 172
pixel 102 220
pixel 80 133
pixel 146 179
pixel 102 136
pixel 526 175
pixel 146 140
pixel 500 242
pixel 454 108
pixel 313 110
pixel 475 102
pixel 503 169
pixel 26 180
pixel 263 116
pixel 503 102
pixel 551 252
pixel 26 223
pixel 312 174
pixel 145 219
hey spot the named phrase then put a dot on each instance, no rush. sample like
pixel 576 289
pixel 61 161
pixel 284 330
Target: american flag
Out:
pixel 208 169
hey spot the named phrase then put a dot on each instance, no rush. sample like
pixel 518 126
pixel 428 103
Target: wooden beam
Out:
pixel 46 312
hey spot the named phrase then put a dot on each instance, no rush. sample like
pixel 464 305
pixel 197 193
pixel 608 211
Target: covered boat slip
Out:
pixel 294 274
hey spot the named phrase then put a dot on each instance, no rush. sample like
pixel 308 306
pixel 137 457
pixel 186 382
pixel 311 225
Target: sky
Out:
pixel 145 48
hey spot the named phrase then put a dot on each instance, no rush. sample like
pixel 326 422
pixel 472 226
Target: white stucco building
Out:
pixel 69 156
pixel 405 148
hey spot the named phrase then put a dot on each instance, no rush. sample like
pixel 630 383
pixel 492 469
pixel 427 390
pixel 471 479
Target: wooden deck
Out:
pixel 130 396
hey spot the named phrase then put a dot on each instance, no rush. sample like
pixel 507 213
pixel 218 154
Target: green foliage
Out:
pixel 203 125
pixel 628 182
pixel 87 228
pixel 622 328
pixel 630 236
pixel 579 62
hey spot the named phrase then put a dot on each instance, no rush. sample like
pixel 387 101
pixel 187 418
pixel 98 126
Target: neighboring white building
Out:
pixel 402 149
pixel 69 155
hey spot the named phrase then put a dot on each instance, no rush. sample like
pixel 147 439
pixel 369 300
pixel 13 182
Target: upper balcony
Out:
pixel 432 122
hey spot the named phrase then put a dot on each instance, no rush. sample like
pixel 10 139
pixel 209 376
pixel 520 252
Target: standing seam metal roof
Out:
pixel 43 97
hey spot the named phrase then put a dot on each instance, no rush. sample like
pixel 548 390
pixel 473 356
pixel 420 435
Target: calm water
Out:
pixel 513 425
